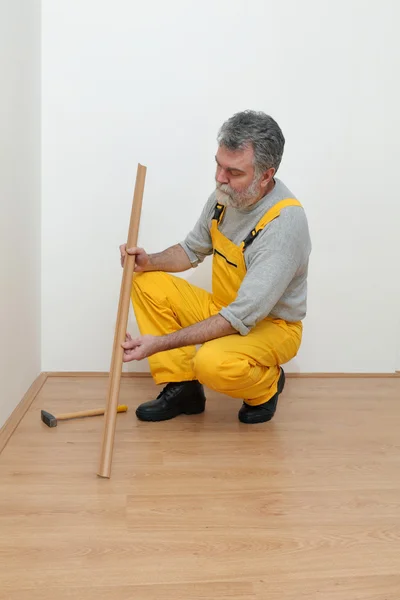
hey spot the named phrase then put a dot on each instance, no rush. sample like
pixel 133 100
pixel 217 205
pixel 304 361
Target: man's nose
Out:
pixel 222 176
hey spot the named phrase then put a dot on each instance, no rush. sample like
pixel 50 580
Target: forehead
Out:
pixel 239 159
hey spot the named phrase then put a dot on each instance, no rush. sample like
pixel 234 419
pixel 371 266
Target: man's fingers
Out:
pixel 134 354
pixel 122 250
pixel 129 344
pixel 135 250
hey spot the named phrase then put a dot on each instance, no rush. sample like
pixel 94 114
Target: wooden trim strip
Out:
pixel 19 411
pixel 294 375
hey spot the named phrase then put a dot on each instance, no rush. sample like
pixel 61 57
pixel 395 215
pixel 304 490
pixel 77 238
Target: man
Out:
pixel 251 324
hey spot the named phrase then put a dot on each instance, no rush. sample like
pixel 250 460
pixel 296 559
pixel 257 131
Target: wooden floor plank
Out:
pixel 370 587
pixel 194 591
pixel 116 555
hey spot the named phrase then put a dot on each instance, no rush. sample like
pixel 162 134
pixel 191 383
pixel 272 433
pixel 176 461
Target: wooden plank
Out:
pixel 368 587
pixel 224 590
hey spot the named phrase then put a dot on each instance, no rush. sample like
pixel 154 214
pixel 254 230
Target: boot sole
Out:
pixel 154 418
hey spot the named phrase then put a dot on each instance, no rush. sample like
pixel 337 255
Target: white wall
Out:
pixel 127 82
pixel 19 200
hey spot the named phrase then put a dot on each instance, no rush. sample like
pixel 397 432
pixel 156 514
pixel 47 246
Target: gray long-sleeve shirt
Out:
pixel 276 261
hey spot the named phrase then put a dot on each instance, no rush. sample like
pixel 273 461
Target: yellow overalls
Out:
pixel 246 367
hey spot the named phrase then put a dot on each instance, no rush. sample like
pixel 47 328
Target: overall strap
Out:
pixel 269 216
pixel 218 212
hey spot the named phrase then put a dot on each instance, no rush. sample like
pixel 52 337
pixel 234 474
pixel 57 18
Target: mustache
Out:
pixel 222 195
pixel 224 188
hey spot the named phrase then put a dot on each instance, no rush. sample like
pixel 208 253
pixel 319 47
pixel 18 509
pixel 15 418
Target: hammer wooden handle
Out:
pixel 88 413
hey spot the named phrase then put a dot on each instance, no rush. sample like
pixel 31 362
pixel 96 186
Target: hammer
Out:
pixel 51 420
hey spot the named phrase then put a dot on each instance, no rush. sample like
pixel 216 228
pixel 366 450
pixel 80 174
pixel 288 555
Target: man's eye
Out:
pixel 235 174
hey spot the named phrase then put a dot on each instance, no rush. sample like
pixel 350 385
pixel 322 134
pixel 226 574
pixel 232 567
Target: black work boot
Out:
pixel 186 397
pixel 262 412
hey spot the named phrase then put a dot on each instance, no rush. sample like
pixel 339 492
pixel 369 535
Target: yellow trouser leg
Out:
pixel 248 366
pixel 162 304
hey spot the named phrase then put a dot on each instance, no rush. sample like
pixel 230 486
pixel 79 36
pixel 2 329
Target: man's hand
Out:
pixel 171 260
pixel 142 261
pixel 146 345
pixel 140 347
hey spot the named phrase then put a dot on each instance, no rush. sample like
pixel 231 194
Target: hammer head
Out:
pixel 49 419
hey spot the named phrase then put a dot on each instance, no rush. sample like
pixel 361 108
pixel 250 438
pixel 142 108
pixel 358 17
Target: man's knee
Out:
pixel 218 369
pixel 147 280
pixel 149 286
pixel 206 364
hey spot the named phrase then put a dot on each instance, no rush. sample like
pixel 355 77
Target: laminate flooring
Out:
pixel 305 507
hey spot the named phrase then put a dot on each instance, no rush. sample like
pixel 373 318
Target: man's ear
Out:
pixel 267 177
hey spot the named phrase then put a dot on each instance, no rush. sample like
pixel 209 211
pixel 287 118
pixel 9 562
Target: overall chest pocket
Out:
pixel 218 253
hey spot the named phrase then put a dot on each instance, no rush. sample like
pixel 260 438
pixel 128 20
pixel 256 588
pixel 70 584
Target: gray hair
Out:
pixel 258 130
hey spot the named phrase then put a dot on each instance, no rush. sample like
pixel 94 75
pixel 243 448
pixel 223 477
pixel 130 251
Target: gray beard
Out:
pixel 226 195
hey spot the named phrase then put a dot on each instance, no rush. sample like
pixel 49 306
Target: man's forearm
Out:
pixel 171 260
pixel 209 329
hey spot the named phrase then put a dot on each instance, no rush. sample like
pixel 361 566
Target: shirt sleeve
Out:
pixel 273 262
pixel 198 243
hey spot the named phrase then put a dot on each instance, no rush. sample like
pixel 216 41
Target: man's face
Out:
pixel 235 177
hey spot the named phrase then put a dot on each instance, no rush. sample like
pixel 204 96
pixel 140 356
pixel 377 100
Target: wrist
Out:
pixel 162 343
pixel 149 266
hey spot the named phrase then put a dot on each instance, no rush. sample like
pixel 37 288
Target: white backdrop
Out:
pixel 19 200
pixel 127 82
